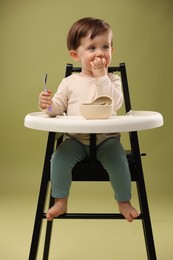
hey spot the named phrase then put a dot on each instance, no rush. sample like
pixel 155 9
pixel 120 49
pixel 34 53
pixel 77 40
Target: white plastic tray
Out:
pixel 132 121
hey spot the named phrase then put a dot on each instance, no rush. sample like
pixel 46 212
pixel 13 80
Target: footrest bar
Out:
pixel 91 216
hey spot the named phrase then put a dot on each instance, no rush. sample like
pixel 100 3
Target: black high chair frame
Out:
pixel 92 170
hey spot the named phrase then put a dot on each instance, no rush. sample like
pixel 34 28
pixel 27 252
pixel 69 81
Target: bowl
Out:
pixel 100 108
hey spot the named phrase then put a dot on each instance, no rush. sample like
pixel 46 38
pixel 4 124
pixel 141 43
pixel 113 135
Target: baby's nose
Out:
pixel 99 53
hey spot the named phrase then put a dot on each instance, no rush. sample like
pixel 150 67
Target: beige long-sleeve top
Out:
pixel 76 89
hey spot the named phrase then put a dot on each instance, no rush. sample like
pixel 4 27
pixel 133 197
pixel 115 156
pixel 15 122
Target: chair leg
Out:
pixel 42 198
pixel 142 195
pixel 38 219
pixel 146 221
pixel 48 234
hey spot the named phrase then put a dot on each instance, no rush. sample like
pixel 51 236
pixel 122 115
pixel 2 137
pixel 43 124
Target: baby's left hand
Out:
pixel 98 67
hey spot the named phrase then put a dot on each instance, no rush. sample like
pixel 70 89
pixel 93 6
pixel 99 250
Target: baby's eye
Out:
pixel 105 47
pixel 91 48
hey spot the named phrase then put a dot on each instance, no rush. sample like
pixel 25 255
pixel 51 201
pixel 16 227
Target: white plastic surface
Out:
pixel 132 121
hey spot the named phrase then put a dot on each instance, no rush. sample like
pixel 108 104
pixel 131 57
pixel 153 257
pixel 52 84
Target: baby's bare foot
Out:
pixel 59 208
pixel 128 211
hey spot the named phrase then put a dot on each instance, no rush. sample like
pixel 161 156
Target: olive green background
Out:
pixel 33 42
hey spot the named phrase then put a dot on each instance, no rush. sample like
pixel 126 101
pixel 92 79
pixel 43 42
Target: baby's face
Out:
pixel 97 48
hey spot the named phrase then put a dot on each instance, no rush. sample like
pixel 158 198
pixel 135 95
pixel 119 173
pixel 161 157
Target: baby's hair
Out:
pixel 82 28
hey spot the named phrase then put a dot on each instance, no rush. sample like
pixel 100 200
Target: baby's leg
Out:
pixel 63 160
pixel 113 158
pixel 59 208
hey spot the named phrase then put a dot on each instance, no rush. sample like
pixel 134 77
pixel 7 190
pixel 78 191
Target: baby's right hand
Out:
pixel 45 99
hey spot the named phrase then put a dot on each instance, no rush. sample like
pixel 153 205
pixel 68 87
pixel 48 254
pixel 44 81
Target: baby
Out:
pixel 90 42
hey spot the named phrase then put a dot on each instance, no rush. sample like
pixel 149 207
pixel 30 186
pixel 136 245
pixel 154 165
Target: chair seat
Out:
pixel 89 171
pixel 94 171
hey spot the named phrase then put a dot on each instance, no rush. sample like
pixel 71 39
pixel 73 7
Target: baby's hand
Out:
pixel 45 99
pixel 98 67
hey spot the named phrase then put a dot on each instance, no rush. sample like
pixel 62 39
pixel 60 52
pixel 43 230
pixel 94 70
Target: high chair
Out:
pixel 92 170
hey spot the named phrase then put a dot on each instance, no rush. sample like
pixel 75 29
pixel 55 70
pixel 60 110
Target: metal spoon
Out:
pixel 45 88
pixel 45 80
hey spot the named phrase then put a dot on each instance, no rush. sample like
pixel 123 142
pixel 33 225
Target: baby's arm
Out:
pixel 56 105
pixel 110 85
pixel 107 85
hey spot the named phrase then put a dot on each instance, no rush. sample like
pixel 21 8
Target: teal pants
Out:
pixel 111 155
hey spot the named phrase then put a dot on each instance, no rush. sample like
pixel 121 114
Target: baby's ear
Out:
pixel 74 55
